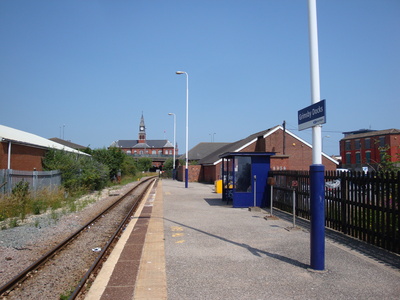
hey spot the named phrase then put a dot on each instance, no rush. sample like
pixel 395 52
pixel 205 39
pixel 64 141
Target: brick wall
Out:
pixel 210 173
pixel 193 170
pixel 23 158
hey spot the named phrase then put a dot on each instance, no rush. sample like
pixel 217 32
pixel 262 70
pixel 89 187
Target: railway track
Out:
pixel 65 269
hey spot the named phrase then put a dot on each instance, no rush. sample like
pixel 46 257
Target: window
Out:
pixel 348 145
pixel 367 143
pixel 357 145
pixel 382 141
pixel 368 157
pixel 348 158
pixel 358 158
pixel 153 152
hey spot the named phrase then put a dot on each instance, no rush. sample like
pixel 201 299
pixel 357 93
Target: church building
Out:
pixel 158 150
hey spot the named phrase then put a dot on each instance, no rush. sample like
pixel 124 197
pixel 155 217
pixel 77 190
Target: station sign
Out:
pixel 312 115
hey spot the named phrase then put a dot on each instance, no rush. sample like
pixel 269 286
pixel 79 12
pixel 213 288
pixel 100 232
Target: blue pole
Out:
pixel 317 197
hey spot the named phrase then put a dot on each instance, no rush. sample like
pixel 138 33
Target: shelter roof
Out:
pixel 234 154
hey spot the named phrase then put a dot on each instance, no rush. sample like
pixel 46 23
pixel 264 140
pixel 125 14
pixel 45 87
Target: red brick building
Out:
pixel 158 150
pixel 292 153
pixel 364 149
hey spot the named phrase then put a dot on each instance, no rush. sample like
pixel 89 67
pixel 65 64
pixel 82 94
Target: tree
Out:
pixel 144 164
pixel 387 163
pixel 78 171
pixel 129 166
pixel 168 164
pixel 113 158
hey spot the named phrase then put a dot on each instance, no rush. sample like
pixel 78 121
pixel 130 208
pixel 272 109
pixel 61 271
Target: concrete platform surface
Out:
pixel 197 247
pixel 214 251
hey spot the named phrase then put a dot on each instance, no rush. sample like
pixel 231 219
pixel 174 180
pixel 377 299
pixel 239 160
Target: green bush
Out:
pixel 113 158
pixel 168 164
pixel 20 196
pixel 129 166
pixel 78 171
pixel 91 173
pixel 144 164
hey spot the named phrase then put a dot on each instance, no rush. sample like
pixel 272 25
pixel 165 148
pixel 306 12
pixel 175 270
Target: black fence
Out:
pixel 362 205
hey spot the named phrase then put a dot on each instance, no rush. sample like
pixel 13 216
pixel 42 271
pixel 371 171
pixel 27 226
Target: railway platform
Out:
pixel 186 243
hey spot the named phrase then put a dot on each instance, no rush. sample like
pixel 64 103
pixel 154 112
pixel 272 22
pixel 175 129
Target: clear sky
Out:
pixel 95 66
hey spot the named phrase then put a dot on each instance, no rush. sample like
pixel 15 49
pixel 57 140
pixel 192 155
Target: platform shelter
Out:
pixel 244 178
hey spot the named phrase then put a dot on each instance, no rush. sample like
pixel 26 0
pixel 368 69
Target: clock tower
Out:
pixel 142 131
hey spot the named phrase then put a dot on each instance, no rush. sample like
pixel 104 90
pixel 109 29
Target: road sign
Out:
pixel 312 115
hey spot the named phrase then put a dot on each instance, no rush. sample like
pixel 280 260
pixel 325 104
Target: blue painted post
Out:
pixel 317 197
pixel 186 177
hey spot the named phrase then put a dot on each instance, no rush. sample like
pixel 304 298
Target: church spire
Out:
pixel 142 130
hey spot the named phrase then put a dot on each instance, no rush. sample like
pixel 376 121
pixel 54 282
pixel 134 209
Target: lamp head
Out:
pixel 179 72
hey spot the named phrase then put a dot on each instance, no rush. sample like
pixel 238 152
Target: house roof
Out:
pixel 33 140
pixel 68 143
pixel 202 150
pixel 214 158
pixel 371 134
pixel 148 144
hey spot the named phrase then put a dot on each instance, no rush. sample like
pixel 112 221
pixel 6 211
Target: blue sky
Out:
pixel 95 66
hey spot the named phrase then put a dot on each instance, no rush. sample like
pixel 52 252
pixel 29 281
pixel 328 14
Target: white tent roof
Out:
pixel 22 137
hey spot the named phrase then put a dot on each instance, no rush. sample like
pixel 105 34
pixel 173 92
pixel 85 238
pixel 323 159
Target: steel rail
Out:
pixel 7 287
pixel 96 263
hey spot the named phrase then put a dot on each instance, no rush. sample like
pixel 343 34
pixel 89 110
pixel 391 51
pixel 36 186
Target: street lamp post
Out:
pixel 317 169
pixel 212 137
pixel 187 127
pixel 173 163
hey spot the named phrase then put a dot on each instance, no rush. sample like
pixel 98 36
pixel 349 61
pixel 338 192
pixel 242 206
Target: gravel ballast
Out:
pixel 21 246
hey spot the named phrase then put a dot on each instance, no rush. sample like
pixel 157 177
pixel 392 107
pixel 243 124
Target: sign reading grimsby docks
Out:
pixel 312 115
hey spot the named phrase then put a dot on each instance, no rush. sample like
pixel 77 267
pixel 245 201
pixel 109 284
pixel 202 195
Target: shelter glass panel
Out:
pixel 243 174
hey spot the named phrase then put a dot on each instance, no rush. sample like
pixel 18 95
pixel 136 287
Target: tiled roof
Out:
pixel 213 158
pixel 148 144
pixel 67 143
pixel 372 133
pixel 202 150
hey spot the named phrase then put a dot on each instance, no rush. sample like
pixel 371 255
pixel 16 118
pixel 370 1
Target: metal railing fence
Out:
pixel 37 179
pixel 362 205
